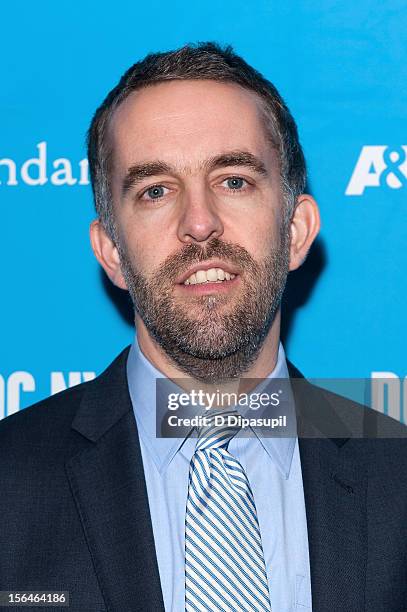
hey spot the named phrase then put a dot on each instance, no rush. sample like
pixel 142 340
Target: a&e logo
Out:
pixel 379 166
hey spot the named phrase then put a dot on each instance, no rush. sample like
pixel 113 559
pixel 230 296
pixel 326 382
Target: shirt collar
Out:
pixel 142 376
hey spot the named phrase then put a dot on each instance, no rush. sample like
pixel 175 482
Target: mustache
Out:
pixel 190 254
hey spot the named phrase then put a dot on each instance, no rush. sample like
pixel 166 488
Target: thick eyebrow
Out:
pixel 137 172
pixel 237 158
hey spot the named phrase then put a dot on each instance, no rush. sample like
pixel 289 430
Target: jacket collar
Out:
pixel 105 402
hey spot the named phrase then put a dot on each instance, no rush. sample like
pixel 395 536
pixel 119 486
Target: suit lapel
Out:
pixel 108 484
pixel 335 487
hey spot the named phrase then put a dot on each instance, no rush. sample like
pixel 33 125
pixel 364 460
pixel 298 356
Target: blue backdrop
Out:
pixel 341 67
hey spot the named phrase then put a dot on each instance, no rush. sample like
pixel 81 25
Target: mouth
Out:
pixel 208 287
pixel 203 279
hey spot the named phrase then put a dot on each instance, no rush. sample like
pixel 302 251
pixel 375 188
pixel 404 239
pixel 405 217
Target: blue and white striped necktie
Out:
pixel 224 561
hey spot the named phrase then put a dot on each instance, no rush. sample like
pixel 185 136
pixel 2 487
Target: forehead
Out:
pixel 187 121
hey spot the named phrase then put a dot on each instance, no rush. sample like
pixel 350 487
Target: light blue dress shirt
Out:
pixel 273 468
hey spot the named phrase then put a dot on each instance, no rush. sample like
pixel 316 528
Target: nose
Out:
pixel 199 220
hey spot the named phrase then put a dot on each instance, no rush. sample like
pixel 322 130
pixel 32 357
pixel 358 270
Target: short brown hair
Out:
pixel 195 62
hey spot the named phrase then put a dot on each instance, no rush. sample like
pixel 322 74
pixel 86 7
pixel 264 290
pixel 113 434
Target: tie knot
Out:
pixel 220 427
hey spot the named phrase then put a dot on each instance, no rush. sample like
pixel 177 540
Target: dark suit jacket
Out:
pixel 74 512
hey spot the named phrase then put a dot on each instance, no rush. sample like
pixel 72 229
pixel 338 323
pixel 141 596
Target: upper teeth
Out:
pixel 213 274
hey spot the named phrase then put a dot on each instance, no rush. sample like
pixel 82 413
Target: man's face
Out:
pixel 196 185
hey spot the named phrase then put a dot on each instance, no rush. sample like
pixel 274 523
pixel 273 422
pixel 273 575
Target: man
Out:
pixel 199 181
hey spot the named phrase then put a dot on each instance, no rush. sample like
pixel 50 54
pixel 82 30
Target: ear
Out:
pixel 106 253
pixel 305 225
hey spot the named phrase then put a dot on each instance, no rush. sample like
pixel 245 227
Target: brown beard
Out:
pixel 207 339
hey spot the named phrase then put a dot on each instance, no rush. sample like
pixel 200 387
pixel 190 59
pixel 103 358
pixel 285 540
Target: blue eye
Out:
pixel 235 182
pixel 155 192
